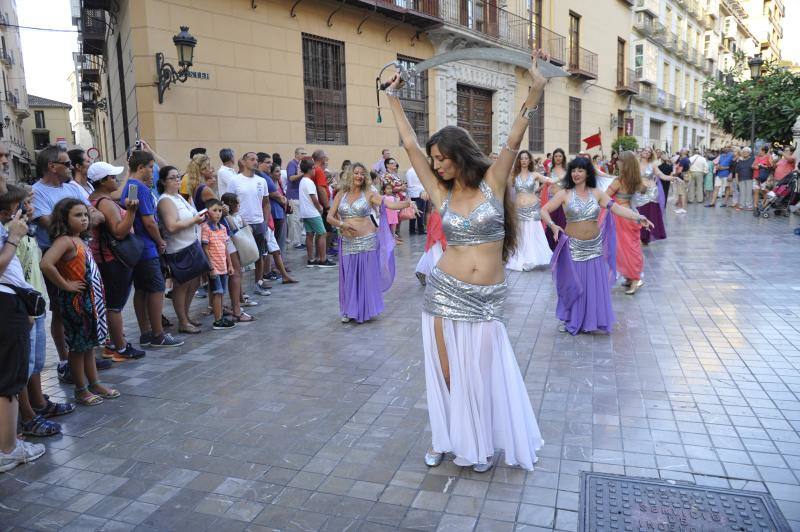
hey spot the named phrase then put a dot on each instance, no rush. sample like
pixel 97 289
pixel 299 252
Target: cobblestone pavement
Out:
pixel 298 422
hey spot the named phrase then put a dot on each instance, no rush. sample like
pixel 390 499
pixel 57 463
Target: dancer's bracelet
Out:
pixel 392 92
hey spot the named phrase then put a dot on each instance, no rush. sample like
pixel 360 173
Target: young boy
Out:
pixel 310 213
pixel 214 237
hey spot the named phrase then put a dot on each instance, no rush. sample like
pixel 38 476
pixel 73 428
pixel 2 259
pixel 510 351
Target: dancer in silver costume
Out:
pixel 477 401
pixel 532 247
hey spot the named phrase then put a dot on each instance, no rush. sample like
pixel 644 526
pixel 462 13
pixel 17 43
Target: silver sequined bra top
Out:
pixel 484 224
pixel 358 209
pixel 578 210
pixel 525 185
pixel 648 171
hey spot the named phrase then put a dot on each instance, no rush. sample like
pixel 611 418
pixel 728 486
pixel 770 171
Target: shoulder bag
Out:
pixel 244 242
pixel 127 251
pixel 187 263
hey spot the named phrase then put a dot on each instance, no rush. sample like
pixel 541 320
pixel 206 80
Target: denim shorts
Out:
pixel 38 346
pixel 218 284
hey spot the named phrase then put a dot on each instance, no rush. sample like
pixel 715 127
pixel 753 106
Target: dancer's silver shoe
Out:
pixel 484 468
pixel 433 459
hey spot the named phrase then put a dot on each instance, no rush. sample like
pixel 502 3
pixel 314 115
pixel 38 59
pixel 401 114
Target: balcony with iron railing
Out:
pixel 701 111
pixel 691 55
pixel 6 58
pixel 708 22
pixel 12 99
pixel 626 81
pixel 677 105
pixel 670 102
pixel 645 24
pixel 93 30
pixel 582 63
pixel 689 108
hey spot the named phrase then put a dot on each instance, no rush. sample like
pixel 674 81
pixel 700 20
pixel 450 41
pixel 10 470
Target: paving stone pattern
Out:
pixel 298 422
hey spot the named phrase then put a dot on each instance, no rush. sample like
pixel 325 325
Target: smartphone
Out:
pixel 133 192
pixel 203 212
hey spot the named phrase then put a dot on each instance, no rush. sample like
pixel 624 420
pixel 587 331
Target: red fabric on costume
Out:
pixel 435 231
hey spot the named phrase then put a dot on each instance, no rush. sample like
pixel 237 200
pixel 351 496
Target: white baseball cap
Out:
pixel 100 169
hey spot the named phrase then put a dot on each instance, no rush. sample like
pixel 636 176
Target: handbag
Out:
pixel 244 242
pixel 127 251
pixel 409 213
pixel 187 263
pixel 33 300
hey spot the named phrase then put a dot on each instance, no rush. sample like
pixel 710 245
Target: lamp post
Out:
pixel 755 73
pixel 167 75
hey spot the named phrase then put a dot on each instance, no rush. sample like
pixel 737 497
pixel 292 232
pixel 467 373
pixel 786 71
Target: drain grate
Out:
pixel 616 502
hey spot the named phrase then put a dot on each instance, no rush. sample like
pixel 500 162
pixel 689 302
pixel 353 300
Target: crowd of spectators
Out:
pixel 87 234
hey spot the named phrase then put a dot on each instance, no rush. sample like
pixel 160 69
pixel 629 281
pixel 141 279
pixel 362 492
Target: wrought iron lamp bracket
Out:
pixel 390 30
pixel 372 12
pixel 167 75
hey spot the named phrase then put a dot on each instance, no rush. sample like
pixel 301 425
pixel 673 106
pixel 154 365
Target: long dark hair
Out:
pixel 585 164
pixel 59 225
pixel 518 163
pixel 457 144
pixel 553 158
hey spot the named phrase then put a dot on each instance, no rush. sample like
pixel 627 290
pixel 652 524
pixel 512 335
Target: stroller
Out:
pixel 783 197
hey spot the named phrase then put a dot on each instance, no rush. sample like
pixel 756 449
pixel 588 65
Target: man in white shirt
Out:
pixel 416 192
pixel 254 208
pixel 227 171
pixel 698 167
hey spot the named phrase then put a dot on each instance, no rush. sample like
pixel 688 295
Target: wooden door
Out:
pixel 475 115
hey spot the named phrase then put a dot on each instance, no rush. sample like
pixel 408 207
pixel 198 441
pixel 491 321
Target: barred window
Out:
pixel 324 87
pixel 574 125
pixel 415 99
pixel 536 129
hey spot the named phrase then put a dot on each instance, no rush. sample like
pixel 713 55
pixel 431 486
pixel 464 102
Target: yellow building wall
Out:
pixel 254 98
pixel 56 121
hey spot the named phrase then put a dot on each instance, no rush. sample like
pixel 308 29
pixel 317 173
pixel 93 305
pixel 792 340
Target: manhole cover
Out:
pixel 615 502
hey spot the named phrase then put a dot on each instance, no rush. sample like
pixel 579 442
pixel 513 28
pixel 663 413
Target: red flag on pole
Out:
pixel 593 141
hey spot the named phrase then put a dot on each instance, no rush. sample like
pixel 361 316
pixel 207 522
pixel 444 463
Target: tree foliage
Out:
pixel 775 96
pixel 623 143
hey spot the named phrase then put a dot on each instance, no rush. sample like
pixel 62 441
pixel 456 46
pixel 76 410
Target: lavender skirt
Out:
pixel 560 220
pixel 591 310
pixel 653 212
pixel 360 296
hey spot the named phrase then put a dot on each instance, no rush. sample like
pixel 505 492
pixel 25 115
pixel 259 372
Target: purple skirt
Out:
pixel 560 220
pixel 360 295
pixel 652 211
pixel 591 310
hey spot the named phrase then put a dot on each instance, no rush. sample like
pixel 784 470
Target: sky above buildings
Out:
pixel 48 54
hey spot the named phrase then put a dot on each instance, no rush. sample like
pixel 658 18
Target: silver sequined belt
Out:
pixel 583 250
pixel 530 212
pixel 453 299
pixel 359 244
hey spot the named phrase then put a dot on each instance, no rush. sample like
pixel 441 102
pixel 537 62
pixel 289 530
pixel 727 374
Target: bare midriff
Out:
pixel 585 230
pixel 525 199
pixel 363 226
pixel 480 264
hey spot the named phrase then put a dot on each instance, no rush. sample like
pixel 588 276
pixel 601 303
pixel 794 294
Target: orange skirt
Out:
pixel 630 261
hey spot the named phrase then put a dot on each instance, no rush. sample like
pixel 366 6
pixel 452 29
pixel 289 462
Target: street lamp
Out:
pixel 167 75
pixel 755 73
pixel 87 93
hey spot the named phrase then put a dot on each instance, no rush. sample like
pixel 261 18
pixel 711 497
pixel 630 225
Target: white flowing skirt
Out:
pixel 532 248
pixel 429 259
pixel 487 406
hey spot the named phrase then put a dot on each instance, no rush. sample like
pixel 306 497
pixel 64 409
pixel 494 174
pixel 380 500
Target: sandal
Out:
pixel 40 427
pixel 52 409
pixel 244 317
pixel 190 329
pixel 92 400
pixel 289 280
pixel 196 323
pixel 165 321
pixel 110 394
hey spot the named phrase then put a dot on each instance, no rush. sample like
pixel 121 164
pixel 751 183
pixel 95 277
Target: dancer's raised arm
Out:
pixel 498 172
pixel 418 158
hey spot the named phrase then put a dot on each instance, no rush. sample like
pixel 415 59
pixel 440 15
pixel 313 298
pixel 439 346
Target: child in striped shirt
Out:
pixel 214 237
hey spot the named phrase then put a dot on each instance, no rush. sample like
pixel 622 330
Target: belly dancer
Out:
pixel 532 247
pixel 585 260
pixel 552 186
pixel 477 401
pixel 366 254
pixel 654 201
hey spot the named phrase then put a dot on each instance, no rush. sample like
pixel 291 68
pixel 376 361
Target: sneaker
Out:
pixel 299 246
pixel 345 319
pixel 103 364
pixel 249 302
pixel 23 453
pixel 327 264
pixel 272 276
pixel 128 353
pixel 145 339
pixel 166 340
pixel 311 263
pixel 222 324
pixel 201 293
pixel 64 375
pixel 262 291
pixel 168 294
